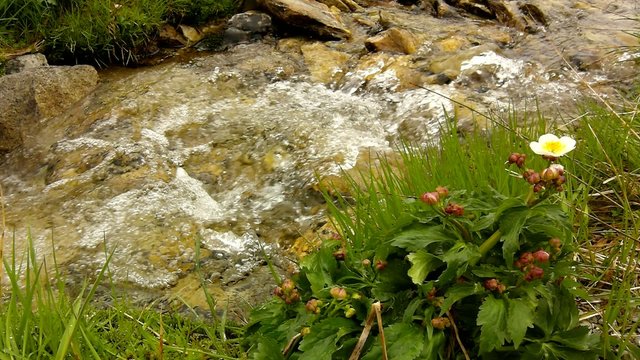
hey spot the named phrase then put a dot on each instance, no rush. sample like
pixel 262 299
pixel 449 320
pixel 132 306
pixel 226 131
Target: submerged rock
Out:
pixel 308 15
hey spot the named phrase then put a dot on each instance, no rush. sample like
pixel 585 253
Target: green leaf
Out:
pixel 319 266
pixel 511 225
pixel 457 259
pixel 434 348
pixel 493 320
pixel 520 318
pixel 577 338
pixel 321 342
pixel 484 222
pixel 420 237
pixel 458 292
pixel 267 349
pixel 404 342
pixel 422 263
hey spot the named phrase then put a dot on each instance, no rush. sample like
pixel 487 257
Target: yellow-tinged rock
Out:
pixel 393 40
pixel 325 65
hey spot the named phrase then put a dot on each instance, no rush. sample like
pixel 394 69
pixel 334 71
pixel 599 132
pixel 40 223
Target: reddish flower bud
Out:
pixel 288 285
pixel 513 158
pixel 293 297
pixel 431 295
pixel 534 273
pixel 430 198
pixel 501 288
pixel 338 293
pixel 454 209
pixel 381 265
pixel 534 178
pixel 520 161
pixel 491 284
pixel 541 256
pixel 339 255
pixel 538 187
pixel 440 323
pixel 442 191
pixel 557 167
pixel 555 244
pixel 561 179
pixel 277 291
pixel 526 258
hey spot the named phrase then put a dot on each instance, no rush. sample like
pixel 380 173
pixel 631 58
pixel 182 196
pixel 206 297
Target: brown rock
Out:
pixel 342 5
pixel 392 40
pixel 309 15
pixel 36 94
pixel 324 64
pixel 169 36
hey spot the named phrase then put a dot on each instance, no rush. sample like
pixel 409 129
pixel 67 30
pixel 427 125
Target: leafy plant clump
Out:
pixel 452 274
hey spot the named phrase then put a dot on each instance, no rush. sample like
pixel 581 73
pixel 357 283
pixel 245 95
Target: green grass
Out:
pixel 97 31
pixel 40 320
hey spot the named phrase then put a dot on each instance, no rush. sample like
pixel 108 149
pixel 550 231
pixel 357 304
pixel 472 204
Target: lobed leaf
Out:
pixel 493 321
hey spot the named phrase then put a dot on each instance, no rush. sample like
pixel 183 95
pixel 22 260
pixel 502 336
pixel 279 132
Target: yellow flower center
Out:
pixel 553 146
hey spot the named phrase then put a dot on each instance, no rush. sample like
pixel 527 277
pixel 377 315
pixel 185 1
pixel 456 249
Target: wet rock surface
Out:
pixel 218 153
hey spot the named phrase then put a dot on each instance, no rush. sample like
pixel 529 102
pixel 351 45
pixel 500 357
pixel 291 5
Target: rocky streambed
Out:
pixel 221 150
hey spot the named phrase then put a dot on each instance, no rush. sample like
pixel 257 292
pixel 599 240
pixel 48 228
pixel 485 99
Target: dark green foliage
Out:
pixel 98 31
pixel 433 270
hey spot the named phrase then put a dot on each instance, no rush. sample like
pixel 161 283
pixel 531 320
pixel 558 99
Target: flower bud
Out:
pixel 454 209
pixel 534 273
pixel 501 288
pixel 288 285
pixel 561 179
pixel 440 323
pixel 431 295
pixel 305 331
pixel 442 191
pixel 557 167
pixel 520 161
pixel 430 198
pixel 541 256
pixel 366 262
pixel 356 296
pixel 556 244
pixel 350 312
pixel 313 306
pixel 549 174
pixel 533 178
pixel 339 255
pixel 491 284
pixel 293 297
pixel 538 187
pixel 526 258
pixel 513 158
pixel 381 265
pixel 338 293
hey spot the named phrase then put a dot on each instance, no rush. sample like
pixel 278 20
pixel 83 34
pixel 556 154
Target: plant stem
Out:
pixel 490 243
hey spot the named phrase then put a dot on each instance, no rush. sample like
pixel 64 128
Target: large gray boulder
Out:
pixel 33 95
pixel 309 15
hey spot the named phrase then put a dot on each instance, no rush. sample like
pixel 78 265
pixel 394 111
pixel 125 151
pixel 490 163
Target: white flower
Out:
pixel 551 145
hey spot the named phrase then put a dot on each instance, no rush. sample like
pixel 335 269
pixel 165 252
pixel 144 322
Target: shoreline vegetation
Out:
pixel 595 263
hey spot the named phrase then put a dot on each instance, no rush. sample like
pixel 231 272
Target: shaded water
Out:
pixel 224 148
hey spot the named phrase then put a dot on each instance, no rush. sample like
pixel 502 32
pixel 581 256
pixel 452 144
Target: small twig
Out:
pixel 377 307
pixel 355 354
pixel 455 331
pixel 294 340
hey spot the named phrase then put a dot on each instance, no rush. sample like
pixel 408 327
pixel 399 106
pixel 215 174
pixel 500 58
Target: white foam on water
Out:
pixel 507 69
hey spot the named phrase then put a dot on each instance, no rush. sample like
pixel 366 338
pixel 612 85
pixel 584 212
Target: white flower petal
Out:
pixel 547 138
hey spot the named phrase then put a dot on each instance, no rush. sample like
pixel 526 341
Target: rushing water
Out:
pixel 223 149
